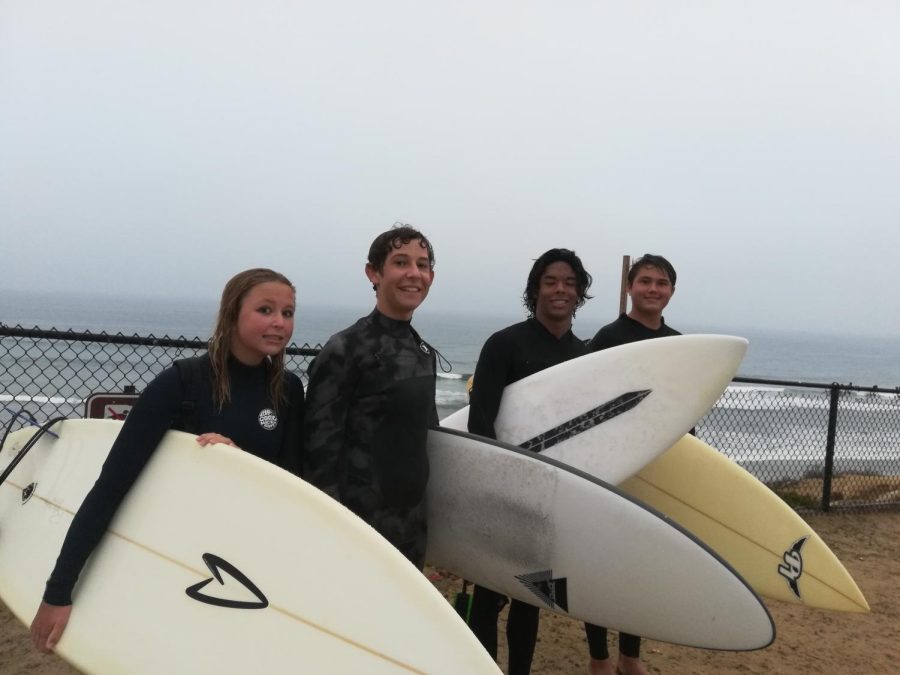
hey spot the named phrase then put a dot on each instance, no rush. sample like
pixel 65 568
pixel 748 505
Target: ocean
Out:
pixel 778 355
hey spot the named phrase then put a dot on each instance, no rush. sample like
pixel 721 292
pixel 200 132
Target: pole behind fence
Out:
pixel 829 445
pixel 623 293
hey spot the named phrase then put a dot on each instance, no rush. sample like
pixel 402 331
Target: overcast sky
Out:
pixel 159 147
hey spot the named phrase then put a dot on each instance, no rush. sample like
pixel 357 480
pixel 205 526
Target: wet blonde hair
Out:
pixel 226 327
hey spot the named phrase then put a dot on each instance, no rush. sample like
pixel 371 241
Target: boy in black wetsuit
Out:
pixel 557 286
pixel 651 283
pixel 370 400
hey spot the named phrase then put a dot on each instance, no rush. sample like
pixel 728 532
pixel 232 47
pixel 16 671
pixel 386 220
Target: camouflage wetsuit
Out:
pixel 370 402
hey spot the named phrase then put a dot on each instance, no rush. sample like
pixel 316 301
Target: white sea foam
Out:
pixel 25 398
pixel 448 398
pixel 743 397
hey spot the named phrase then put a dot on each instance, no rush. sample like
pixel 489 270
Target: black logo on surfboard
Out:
pixel 792 568
pixel 589 420
pixel 216 565
pixel 549 590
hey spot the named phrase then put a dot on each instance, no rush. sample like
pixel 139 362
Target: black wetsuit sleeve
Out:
pixel 146 424
pixel 491 377
pixel 328 400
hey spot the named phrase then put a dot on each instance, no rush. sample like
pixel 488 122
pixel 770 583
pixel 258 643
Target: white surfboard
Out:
pixel 219 562
pixel 537 530
pixel 612 412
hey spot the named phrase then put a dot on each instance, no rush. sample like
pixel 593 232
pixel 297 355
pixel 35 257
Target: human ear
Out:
pixel 372 275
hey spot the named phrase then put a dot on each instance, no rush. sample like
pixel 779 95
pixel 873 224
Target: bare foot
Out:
pixel 628 665
pixel 601 667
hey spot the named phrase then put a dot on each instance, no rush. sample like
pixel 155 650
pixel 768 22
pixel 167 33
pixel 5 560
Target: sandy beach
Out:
pixel 808 641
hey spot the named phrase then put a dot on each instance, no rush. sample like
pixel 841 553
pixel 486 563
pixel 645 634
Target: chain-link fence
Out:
pixel 50 373
pixel 819 446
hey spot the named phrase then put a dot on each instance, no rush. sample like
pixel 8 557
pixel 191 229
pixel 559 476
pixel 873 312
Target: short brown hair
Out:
pixel 650 260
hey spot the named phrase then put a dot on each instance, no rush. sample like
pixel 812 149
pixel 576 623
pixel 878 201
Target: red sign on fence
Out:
pixel 109 406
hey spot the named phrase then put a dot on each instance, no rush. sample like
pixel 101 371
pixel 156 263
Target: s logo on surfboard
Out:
pixel 792 568
pixel 217 565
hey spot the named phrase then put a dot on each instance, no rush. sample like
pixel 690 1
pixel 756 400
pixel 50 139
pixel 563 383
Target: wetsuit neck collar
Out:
pixel 537 325
pixel 236 366
pixel 662 322
pixel 390 325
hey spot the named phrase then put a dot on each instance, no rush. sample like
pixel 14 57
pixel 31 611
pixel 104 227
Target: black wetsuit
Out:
pixel 624 330
pixel 508 356
pixel 370 404
pixel 248 419
pixel 620 332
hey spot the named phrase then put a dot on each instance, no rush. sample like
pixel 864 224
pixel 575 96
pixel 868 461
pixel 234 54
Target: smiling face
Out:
pixel 557 295
pixel 265 323
pixel 650 292
pixel 403 281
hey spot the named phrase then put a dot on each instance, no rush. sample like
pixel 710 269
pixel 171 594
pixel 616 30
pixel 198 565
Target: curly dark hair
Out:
pixel 582 278
pixel 399 235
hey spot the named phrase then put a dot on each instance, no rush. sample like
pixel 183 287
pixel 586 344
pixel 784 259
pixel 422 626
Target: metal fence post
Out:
pixel 835 392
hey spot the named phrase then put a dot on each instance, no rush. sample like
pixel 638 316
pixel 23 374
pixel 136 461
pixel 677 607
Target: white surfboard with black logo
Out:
pixel 539 531
pixel 218 562
pixel 612 412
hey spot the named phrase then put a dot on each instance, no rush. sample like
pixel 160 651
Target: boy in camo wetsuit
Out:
pixel 370 400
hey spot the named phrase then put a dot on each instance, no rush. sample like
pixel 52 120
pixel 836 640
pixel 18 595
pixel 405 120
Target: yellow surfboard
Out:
pixel 773 548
